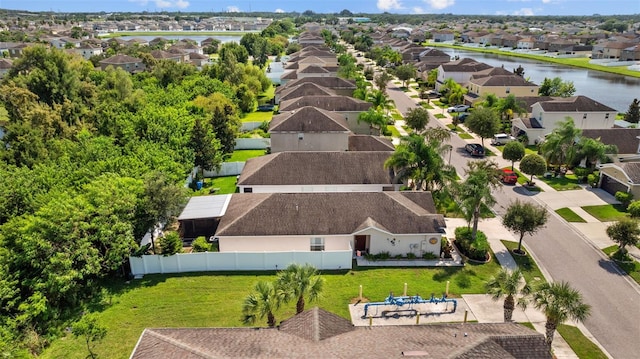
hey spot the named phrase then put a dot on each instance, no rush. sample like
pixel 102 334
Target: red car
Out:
pixel 509 177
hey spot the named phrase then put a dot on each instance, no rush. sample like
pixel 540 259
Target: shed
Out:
pixel 201 215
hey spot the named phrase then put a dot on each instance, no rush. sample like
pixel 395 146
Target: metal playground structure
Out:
pixel 410 301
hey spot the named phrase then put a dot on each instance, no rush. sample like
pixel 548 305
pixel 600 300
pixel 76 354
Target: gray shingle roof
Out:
pixel 305 89
pixel 575 104
pixel 120 59
pixel 626 139
pixel 502 80
pixel 369 143
pixel 318 334
pixel 329 103
pixel 327 82
pixel 632 169
pixel 308 119
pixel 308 168
pixel 251 214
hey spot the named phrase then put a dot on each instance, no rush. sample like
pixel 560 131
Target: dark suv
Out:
pixel 474 149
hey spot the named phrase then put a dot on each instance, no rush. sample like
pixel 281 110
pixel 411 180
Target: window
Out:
pixel 584 117
pixel 606 116
pixel 317 244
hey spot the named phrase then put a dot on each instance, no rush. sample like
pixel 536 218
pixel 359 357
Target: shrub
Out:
pixel 445 248
pixel 170 244
pixel 624 198
pixel 634 209
pixel 592 180
pixel 200 244
pixel 429 255
pixel 476 250
pixel 411 255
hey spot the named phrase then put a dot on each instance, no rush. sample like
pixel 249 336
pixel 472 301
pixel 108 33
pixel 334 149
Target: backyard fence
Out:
pixel 226 169
pixel 252 143
pixel 237 261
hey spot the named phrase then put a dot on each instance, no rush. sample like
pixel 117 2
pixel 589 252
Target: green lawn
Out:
pixel 581 345
pixel 394 131
pixel 607 212
pixel 628 265
pixel 531 149
pixel 222 185
pixel 244 155
pixel 562 183
pixel 440 116
pixel 258 116
pixel 215 300
pixel 569 215
pixel 266 96
pixel 527 265
pixel 465 136
pixel 426 105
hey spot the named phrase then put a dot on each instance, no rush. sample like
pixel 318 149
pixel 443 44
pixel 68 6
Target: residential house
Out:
pixel 501 85
pixel 510 41
pixel 398 222
pixel 526 43
pixel 17 49
pixel 559 44
pixel 631 53
pixel 442 35
pixel 199 60
pixel 187 48
pixel 309 38
pixel 125 62
pixel 326 171
pixel 460 71
pixel 620 177
pixel 309 129
pixel 346 106
pixel 627 140
pixel 585 112
pixel 164 55
pixel 87 50
pixel 370 143
pixel 5 66
pixel 159 41
pixel 610 49
pixel 316 333
pixel 301 90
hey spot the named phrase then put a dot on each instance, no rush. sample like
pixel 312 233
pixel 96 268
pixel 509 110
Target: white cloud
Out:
pixel 389 5
pixel 525 11
pixel 163 4
pixel 440 4
pixel 418 10
pixel 233 9
pixel 279 11
pixel 546 1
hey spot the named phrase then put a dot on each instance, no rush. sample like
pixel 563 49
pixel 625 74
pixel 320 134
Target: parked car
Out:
pixel 502 139
pixel 266 108
pixel 509 177
pixel 474 149
pixel 458 108
pixel 462 116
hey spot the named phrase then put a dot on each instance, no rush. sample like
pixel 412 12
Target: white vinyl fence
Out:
pixel 226 169
pixel 237 261
pixel 252 143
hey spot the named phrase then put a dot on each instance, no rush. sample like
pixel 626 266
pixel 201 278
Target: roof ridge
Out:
pixel 178 344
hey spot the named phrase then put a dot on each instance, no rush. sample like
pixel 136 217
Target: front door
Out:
pixel 361 243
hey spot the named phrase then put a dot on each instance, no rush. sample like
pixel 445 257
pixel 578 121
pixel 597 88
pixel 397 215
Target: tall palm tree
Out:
pixel 264 300
pixel 298 281
pixel 559 146
pixel 509 284
pixel 475 191
pixel 559 302
pixel 380 100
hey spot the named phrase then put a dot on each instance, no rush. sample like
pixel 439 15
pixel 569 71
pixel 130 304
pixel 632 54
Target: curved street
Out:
pixel 564 254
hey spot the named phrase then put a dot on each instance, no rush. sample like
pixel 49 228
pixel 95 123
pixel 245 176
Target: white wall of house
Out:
pixel 402 244
pixel 459 77
pixel 315 188
pixel 325 141
pixel 582 120
pixel 237 261
pixel 504 91
pixel 282 243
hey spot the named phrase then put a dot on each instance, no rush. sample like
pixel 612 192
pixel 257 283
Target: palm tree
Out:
pixel 380 100
pixel 508 106
pixel 509 284
pixel 593 150
pixel 261 303
pixel 559 302
pixel 559 146
pixel 475 191
pixel 489 100
pixel 298 281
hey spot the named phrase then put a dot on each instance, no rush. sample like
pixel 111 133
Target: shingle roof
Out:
pixel 318 334
pixel 465 65
pixel 329 103
pixel 369 143
pixel 308 119
pixel 251 214
pixel 120 59
pixel 626 139
pixel 314 69
pixel 327 82
pixel 308 168
pixel 575 104
pixel 632 169
pixel 502 80
pixel 305 89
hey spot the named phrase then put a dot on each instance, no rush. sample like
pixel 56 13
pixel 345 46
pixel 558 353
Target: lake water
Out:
pixel 615 91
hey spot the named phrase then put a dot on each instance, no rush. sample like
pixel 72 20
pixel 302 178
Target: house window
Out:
pixel 606 116
pixel 317 244
pixel 584 117
pixel 300 136
pixel 508 89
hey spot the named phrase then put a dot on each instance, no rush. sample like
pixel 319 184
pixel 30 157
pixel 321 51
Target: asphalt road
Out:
pixel 564 255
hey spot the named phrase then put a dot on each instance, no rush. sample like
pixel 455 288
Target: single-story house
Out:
pixel 301 90
pixel 338 85
pixel 620 177
pixel 316 333
pixel 327 171
pixel 398 222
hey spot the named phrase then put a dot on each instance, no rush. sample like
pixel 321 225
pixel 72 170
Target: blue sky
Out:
pixel 458 7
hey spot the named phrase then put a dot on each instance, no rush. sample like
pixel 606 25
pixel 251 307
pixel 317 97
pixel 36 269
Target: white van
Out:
pixel 502 139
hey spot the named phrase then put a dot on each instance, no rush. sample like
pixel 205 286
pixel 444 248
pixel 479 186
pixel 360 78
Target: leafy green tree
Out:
pixel 92 331
pixel 381 81
pixel 533 164
pixel 476 190
pixel 488 101
pixel 508 106
pixel 300 281
pixel 200 244
pixel 509 284
pixel 405 72
pixel 225 126
pixel 417 118
pixel 625 232
pixel 634 209
pixel 376 119
pixel 559 147
pixel 559 303
pixel 205 146
pixel 592 150
pixel 263 302
pixel 556 87
pixel 170 244
pixel 513 151
pixel 484 122
pixel 633 113
pixel 523 218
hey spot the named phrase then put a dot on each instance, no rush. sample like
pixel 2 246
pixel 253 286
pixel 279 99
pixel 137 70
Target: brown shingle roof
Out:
pixel 120 59
pixel 502 80
pixel 575 104
pixel 318 334
pixel 369 143
pixel 465 65
pixel 626 139
pixel 308 168
pixel 308 119
pixel 305 89
pixel 314 69
pixel 329 103
pixel 632 169
pixel 332 213
pixel 327 82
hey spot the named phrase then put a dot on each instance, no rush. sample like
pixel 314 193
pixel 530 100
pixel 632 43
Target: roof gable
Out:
pixel 325 102
pixel 574 104
pixel 308 119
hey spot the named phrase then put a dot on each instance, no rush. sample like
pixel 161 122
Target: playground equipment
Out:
pixel 410 300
